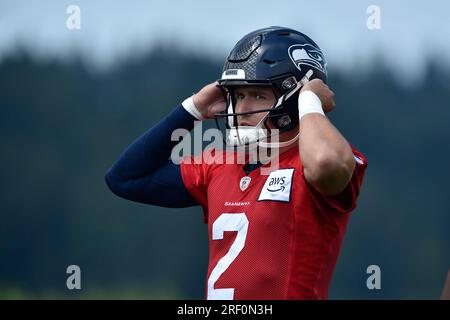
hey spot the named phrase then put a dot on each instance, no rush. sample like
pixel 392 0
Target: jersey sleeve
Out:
pixel 346 201
pixel 195 178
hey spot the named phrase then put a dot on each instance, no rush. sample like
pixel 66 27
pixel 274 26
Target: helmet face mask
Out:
pixel 274 117
pixel 281 58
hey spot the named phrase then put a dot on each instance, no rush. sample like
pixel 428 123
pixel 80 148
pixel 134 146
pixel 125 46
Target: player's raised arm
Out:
pixel 327 157
pixel 143 172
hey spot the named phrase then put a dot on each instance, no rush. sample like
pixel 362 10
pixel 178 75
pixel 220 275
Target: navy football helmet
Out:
pixel 279 57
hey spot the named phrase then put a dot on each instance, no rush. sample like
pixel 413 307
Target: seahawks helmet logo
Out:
pixel 307 55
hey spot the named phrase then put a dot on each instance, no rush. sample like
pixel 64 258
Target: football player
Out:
pixel 272 235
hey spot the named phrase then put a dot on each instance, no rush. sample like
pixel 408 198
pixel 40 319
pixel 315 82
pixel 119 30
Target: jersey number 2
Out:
pixel 227 222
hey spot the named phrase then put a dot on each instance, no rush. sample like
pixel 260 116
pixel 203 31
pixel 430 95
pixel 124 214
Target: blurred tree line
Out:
pixel 63 125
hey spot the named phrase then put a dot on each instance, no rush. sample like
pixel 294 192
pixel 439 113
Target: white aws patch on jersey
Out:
pixel 278 186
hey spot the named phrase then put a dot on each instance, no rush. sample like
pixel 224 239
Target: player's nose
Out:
pixel 243 105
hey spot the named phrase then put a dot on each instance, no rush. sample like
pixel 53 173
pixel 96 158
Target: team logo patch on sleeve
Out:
pixel 278 186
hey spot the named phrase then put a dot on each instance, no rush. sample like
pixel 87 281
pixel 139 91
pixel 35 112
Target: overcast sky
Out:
pixel 410 30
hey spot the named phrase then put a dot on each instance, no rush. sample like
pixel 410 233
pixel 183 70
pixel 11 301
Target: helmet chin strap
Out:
pixel 245 135
pixel 255 136
pixel 281 144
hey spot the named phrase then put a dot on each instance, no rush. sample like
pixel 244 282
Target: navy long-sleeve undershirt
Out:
pixel 144 173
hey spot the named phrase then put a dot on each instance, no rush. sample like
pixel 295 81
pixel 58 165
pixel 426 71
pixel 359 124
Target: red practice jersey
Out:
pixel 271 236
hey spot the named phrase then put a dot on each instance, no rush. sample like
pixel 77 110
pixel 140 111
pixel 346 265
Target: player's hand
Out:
pixel 210 100
pixel 324 93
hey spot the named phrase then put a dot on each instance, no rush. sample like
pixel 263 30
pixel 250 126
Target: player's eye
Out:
pixel 260 97
pixel 239 96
